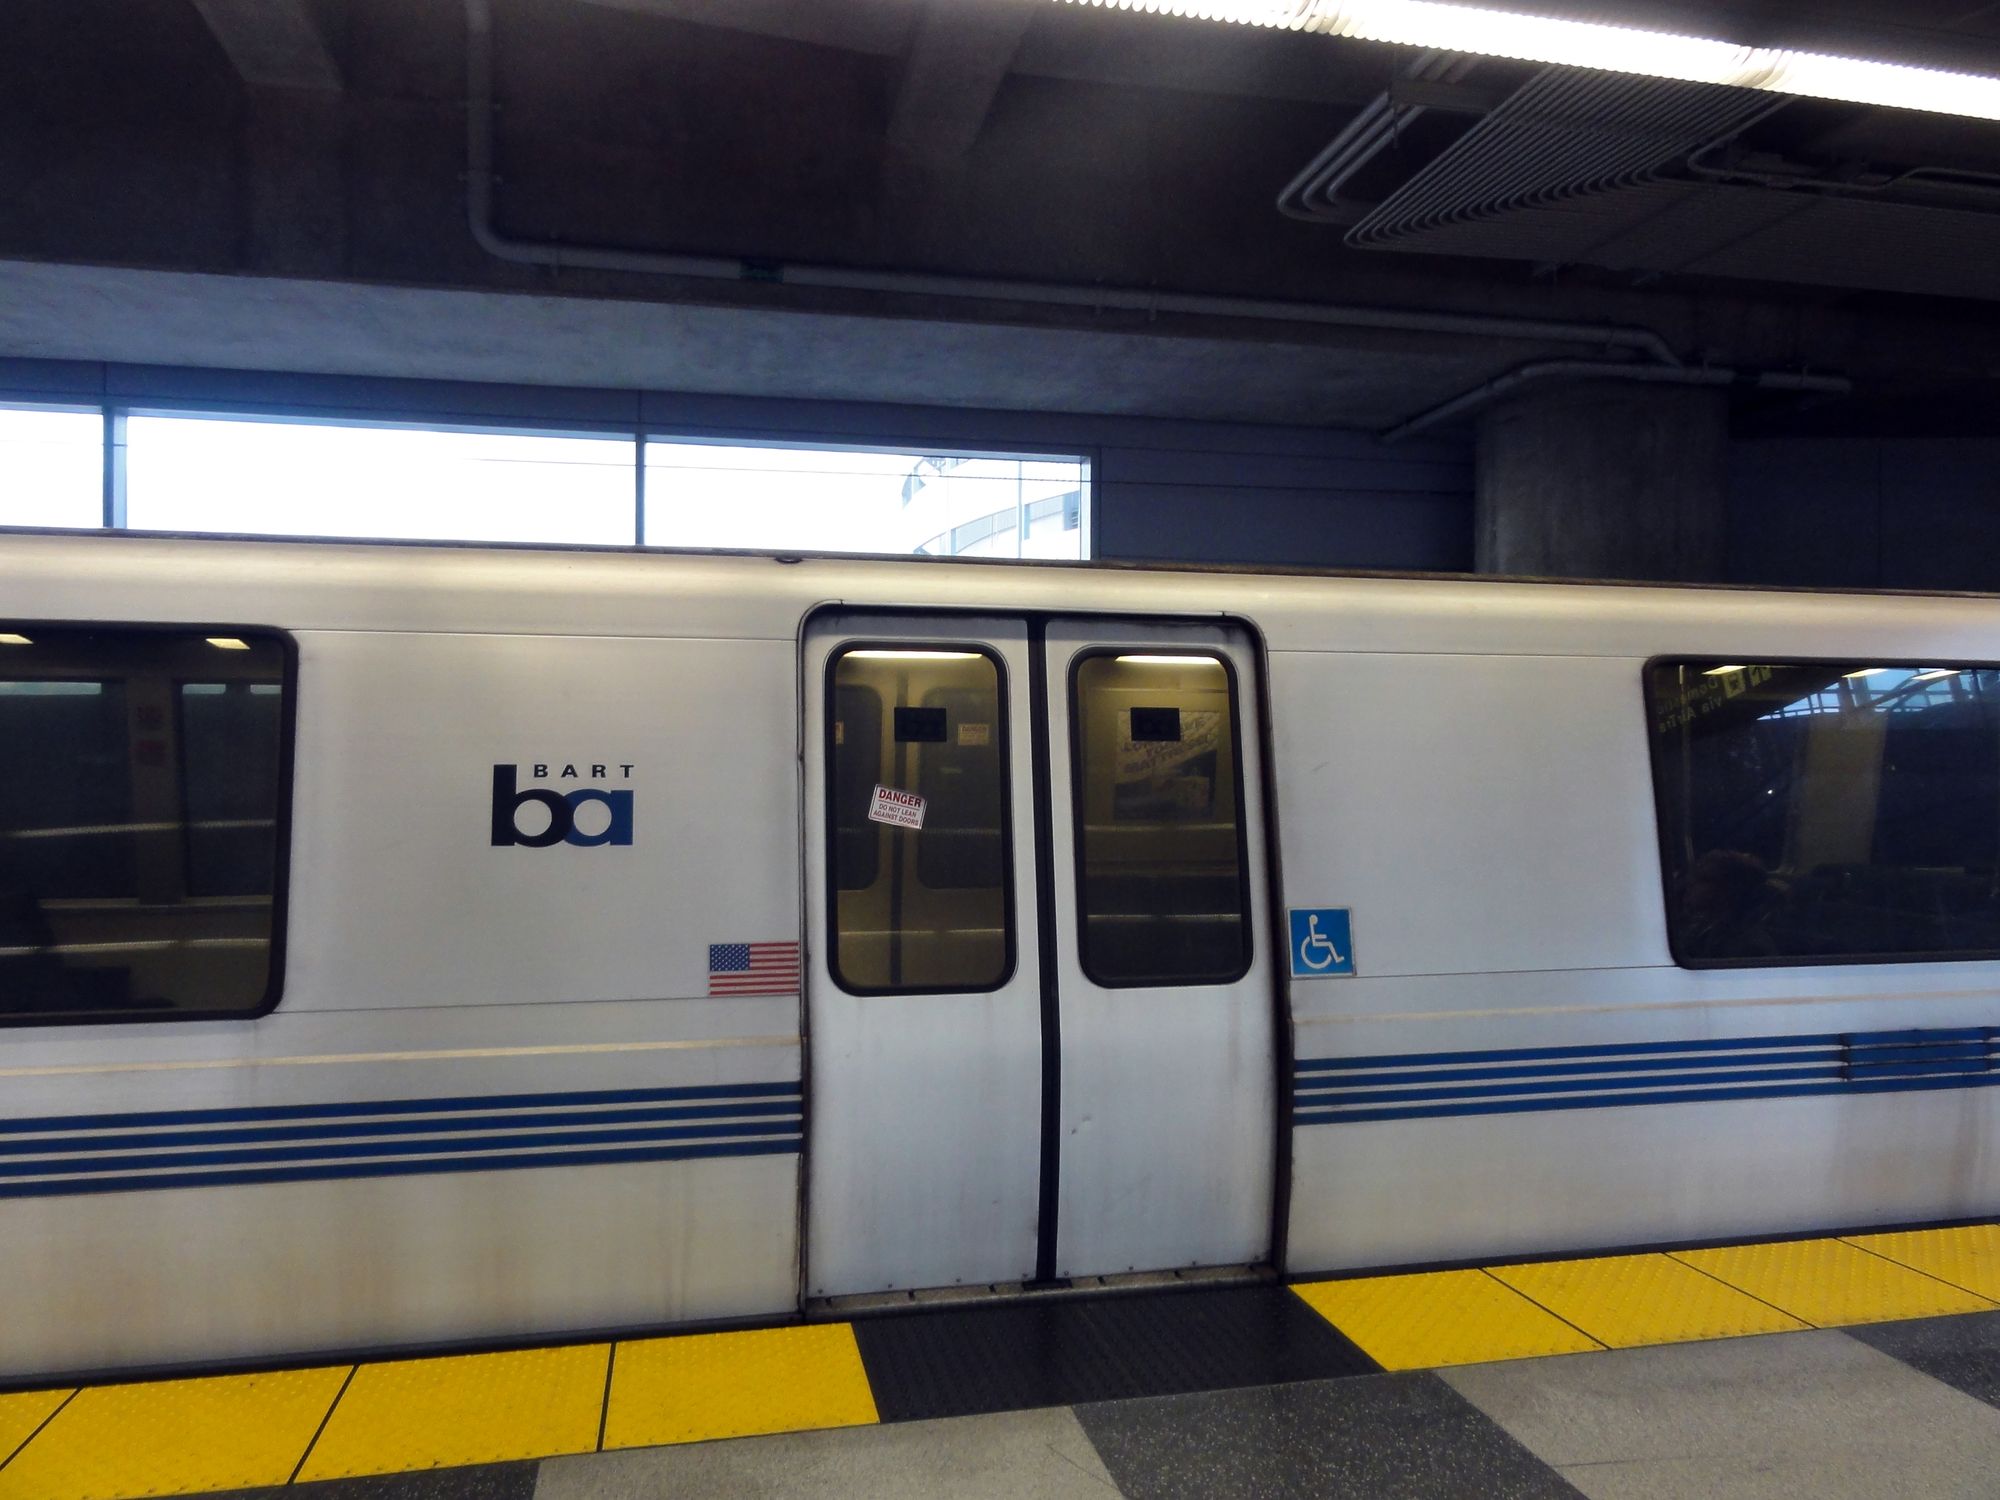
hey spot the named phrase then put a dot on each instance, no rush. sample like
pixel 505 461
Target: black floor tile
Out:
pixel 1962 1351
pixel 479 1482
pixel 1387 1437
pixel 1062 1351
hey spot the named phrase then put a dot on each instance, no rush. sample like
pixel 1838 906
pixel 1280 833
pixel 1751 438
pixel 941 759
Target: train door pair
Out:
pixel 1041 1027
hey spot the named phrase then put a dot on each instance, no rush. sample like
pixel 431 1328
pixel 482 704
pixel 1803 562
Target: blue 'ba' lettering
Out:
pixel 561 806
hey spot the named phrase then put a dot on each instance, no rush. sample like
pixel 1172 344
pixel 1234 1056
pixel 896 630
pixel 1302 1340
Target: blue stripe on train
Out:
pixel 351 1107
pixel 49 1155
pixel 335 1150
pixel 1334 1090
pixel 460 1125
pixel 331 1170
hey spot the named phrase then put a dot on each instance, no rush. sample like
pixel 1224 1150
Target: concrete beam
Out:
pixel 1352 378
pixel 881 27
pixel 962 52
pixel 273 43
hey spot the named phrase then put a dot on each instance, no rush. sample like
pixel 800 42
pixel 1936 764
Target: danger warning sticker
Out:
pixel 899 809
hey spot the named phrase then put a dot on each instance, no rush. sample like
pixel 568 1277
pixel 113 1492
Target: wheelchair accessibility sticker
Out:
pixel 1322 942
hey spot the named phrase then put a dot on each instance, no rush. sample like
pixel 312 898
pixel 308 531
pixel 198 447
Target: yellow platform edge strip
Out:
pixel 170 1437
pixel 1967 1257
pixel 1830 1283
pixel 150 1438
pixel 1432 1319
pixel 698 1387
pixel 1428 1319
pixel 155 1438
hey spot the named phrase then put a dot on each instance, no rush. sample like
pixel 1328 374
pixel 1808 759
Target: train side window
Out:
pixel 920 888
pixel 142 796
pixel 1163 887
pixel 1827 812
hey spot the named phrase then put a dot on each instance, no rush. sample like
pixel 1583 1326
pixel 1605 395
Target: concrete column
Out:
pixel 1604 481
pixel 294 183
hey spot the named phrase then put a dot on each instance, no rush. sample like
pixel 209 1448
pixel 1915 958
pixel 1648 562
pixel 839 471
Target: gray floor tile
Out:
pixel 1374 1437
pixel 480 1482
pixel 1963 1351
pixel 1782 1416
pixel 1021 1455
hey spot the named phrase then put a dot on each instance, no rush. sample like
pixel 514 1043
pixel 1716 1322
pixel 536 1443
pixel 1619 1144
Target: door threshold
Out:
pixel 861 1304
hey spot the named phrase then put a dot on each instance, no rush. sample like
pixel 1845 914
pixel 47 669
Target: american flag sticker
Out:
pixel 753 968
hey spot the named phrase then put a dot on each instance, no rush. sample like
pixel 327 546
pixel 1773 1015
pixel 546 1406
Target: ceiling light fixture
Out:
pixel 1593 44
pixel 911 655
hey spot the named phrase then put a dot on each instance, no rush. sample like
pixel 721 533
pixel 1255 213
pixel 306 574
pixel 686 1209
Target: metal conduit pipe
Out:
pixel 1586 369
pixel 1643 342
pixel 1314 194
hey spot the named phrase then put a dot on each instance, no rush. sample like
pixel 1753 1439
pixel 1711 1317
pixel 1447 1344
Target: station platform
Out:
pixel 1835 1366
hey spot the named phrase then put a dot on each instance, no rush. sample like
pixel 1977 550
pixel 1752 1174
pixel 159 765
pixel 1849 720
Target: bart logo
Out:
pixel 562 808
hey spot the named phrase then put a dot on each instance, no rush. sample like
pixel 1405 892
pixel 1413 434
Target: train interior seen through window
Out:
pixel 1162 885
pixel 1828 811
pixel 921 905
pixel 140 805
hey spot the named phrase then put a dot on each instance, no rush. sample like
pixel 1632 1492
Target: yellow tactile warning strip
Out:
pixel 1434 1318
pixel 467 1409
pixel 1438 1318
pixel 171 1437
pixel 1830 1282
pixel 1968 1257
pixel 158 1438
pixel 175 1437
pixel 21 1414
pixel 684 1390
pixel 1627 1301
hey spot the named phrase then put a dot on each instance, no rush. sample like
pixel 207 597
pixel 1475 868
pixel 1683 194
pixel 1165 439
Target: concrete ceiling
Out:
pixel 282 184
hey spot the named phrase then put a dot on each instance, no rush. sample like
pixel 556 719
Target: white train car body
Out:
pixel 518 1085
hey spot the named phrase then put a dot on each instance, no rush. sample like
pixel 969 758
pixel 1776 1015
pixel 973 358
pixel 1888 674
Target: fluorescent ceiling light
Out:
pixel 914 655
pixel 1593 44
pixel 1169 661
pixel 1721 671
pixel 8 638
pixel 227 643
pixel 1935 673
pixel 1865 672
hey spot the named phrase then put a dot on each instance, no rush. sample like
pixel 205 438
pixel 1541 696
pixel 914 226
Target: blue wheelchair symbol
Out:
pixel 1322 942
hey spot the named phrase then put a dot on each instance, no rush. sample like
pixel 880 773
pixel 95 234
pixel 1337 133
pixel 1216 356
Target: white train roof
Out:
pixel 310 585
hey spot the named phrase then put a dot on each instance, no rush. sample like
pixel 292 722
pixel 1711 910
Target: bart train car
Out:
pixel 403 946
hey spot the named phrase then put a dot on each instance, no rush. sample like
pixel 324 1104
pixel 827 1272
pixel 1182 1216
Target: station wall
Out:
pixel 1163 490
pixel 1802 511
pixel 1920 513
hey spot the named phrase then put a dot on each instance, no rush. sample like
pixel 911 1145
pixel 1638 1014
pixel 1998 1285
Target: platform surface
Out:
pixel 1852 1365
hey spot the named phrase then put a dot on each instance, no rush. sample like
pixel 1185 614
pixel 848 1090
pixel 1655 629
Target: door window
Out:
pixel 1162 884
pixel 918 823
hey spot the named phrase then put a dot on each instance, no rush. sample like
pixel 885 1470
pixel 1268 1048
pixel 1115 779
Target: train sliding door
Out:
pixel 1040 1021
pixel 1168 1110
pixel 923 994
